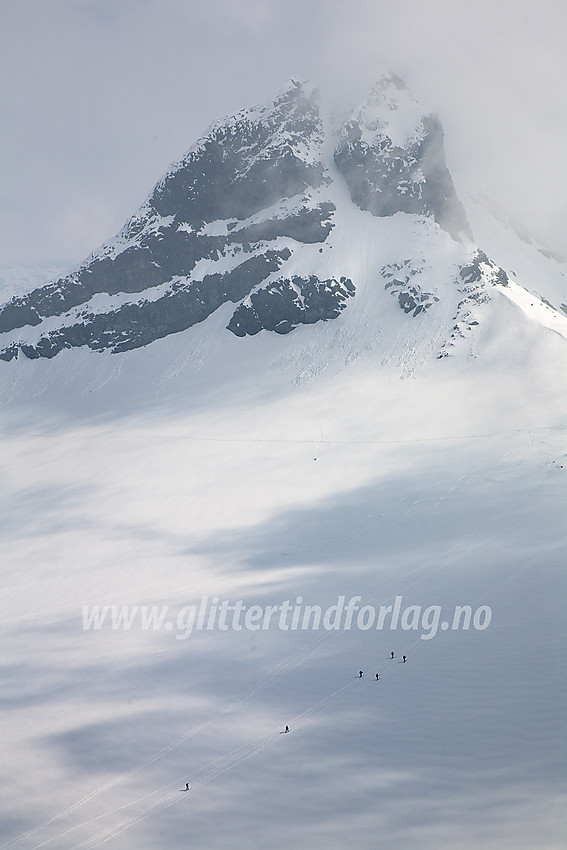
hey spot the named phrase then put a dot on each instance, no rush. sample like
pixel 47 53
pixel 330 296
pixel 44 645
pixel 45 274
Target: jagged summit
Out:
pixel 246 163
pixel 392 110
pixel 391 155
pixel 286 222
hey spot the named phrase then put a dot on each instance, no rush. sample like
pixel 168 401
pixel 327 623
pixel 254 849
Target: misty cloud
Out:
pixel 99 98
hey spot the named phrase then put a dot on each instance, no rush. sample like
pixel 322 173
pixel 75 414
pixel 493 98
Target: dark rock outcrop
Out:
pixel 238 202
pixel 389 170
pixel 236 221
pixel 283 304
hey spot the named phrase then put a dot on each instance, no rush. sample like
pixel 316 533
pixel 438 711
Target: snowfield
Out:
pixel 179 517
pixel 264 471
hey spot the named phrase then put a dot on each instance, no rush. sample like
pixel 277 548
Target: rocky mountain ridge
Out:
pixel 252 216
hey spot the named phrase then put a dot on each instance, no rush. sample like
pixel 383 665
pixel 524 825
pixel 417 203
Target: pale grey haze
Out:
pixel 100 96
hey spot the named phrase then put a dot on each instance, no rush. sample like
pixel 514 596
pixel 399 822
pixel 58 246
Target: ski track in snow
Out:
pixel 231 760
pixel 142 809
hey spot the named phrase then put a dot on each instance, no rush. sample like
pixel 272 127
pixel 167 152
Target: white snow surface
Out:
pixel 540 274
pixel 340 460
pixel 343 459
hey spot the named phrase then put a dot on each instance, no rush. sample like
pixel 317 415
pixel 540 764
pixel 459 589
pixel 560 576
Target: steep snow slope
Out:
pixel 542 276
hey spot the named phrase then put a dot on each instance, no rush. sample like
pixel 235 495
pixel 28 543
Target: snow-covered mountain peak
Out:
pixel 391 112
pixel 391 154
pixel 281 220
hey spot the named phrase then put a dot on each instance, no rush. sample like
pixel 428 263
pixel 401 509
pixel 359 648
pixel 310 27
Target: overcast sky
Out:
pixel 99 97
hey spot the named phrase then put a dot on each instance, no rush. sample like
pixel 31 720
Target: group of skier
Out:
pixel 360 675
pixel 392 655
